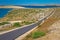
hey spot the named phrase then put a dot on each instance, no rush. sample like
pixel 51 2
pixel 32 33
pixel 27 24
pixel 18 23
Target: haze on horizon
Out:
pixel 19 2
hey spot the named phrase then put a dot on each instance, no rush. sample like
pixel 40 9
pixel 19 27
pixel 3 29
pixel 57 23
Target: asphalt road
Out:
pixel 16 33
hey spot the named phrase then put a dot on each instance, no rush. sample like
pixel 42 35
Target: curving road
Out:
pixel 16 33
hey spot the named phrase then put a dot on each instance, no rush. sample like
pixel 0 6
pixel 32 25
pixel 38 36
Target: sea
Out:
pixel 4 11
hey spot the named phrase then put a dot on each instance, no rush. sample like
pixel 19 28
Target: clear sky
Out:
pixel 19 2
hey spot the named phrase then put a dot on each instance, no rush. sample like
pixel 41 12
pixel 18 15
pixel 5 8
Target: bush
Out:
pixel 17 24
pixel 38 34
pixel 3 23
pixel 26 22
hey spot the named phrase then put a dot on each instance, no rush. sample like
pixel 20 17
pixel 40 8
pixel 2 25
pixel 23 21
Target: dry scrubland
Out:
pixel 24 14
pixel 51 28
pixel 27 16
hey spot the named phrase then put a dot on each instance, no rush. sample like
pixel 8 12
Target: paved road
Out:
pixel 16 33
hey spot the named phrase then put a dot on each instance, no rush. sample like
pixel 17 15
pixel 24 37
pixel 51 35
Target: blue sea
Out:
pixel 4 11
pixel 26 6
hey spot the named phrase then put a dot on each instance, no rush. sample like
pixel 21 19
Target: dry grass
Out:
pixel 24 14
pixel 44 27
pixel 6 29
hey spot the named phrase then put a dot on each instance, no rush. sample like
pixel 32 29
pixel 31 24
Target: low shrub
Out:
pixel 17 24
pixel 3 23
pixel 38 34
pixel 26 22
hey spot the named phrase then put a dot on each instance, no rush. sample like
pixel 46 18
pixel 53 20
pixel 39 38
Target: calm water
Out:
pixel 4 11
pixel 38 6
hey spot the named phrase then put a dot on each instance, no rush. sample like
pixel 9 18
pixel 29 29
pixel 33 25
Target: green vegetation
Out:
pixel 3 23
pixel 26 22
pixel 35 34
pixel 38 34
pixel 17 24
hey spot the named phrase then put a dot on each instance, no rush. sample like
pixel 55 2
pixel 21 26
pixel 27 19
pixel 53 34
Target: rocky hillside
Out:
pixel 25 14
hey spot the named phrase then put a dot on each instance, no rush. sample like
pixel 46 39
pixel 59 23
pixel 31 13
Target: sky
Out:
pixel 19 2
